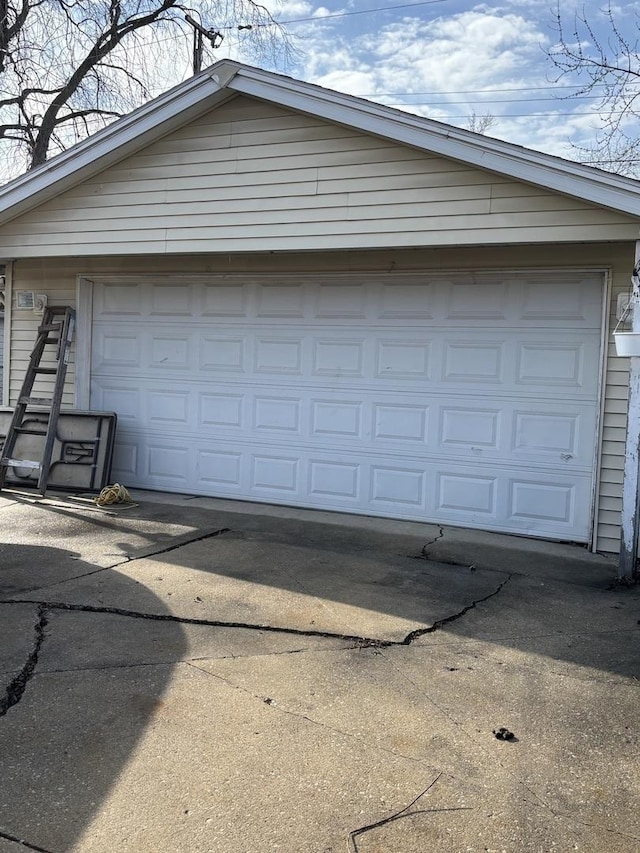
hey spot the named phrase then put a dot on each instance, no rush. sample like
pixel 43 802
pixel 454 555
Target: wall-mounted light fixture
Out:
pixel 25 300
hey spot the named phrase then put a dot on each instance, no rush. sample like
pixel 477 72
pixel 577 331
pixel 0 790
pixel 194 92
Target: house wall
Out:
pixel 1 351
pixel 251 176
pixel 57 278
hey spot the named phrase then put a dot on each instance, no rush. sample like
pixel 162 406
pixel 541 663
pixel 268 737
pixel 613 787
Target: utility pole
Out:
pixel 200 32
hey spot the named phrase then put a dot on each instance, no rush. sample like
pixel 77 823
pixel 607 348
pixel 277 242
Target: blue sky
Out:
pixel 448 59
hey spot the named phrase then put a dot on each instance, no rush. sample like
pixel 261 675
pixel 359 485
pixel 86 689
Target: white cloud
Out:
pixel 487 59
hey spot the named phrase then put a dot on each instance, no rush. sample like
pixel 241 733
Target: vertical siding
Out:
pixel 58 277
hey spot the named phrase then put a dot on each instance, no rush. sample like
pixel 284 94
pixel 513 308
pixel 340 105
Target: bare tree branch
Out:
pixel 99 59
pixel 612 72
pixel 481 123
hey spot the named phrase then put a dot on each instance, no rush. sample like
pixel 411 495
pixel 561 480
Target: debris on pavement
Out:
pixel 503 734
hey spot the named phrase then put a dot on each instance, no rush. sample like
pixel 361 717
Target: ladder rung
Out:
pixel 35 401
pixel 50 327
pixel 30 431
pixel 18 463
pixel 48 370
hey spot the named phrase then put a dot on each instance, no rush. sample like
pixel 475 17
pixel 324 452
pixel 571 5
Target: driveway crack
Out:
pixel 127 558
pixel 358 640
pixel 432 542
pixel 18 684
pixel 440 623
pixel 8 837
pixel 173 546
pixel 276 706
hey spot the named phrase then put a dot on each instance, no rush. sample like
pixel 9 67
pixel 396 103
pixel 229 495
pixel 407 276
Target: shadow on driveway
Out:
pixel 91 639
pixel 84 688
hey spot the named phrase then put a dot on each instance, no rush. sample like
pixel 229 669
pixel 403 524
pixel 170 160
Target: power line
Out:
pixel 494 100
pixel 549 114
pixel 362 12
pixel 619 160
pixel 551 87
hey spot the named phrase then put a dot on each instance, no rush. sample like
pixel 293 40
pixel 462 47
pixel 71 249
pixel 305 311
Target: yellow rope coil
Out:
pixel 115 494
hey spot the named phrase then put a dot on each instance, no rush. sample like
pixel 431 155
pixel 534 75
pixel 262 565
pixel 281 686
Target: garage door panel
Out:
pixel 535 500
pixel 463 493
pixel 576 302
pixel 467 398
pixel 545 298
pixel 117 299
pixel 218 469
pixel 532 432
pixel 278 301
pixel 330 480
pixel 545 364
pixel 433 363
pixel 444 490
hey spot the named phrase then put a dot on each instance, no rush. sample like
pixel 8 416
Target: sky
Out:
pixel 451 59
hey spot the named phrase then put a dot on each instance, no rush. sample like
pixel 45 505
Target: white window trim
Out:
pixel 84 330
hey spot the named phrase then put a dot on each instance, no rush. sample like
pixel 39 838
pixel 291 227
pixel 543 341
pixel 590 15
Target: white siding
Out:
pixel 57 278
pixel 253 177
pixel 1 351
pixel 23 336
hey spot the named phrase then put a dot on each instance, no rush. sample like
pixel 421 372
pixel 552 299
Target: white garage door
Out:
pixel 457 398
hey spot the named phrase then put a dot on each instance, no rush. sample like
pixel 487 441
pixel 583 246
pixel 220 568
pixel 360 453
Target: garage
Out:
pixel 456 397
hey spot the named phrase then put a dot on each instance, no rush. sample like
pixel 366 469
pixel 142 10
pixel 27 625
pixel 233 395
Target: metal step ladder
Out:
pixel 57 330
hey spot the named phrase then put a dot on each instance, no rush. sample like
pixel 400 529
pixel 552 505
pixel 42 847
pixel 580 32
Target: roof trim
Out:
pixel 227 79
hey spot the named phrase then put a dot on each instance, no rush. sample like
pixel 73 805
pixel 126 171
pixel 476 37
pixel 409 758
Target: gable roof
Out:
pixel 227 78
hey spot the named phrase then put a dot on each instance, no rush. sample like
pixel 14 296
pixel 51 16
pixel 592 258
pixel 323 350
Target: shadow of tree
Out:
pixel 74 711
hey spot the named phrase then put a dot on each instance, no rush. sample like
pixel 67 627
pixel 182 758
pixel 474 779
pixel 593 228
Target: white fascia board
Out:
pixel 116 141
pixel 563 176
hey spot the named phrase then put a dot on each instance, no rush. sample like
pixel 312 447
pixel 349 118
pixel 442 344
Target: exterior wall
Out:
pixel 250 176
pixel 57 278
pixel 1 351
pixel 614 426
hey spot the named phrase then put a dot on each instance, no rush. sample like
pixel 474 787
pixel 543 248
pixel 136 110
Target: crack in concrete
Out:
pixel 187 661
pixel 517 780
pixel 359 641
pixel 356 639
pixel 127 558
pixel 18 684
pixel 424 555
pixel 174 546
pixel 302 650
pixel 8 837
pixel 572 817
pixel 432 542
pixel 446 620
pixel 298 715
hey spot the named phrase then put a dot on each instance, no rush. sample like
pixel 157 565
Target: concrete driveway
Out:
pixel 197 675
